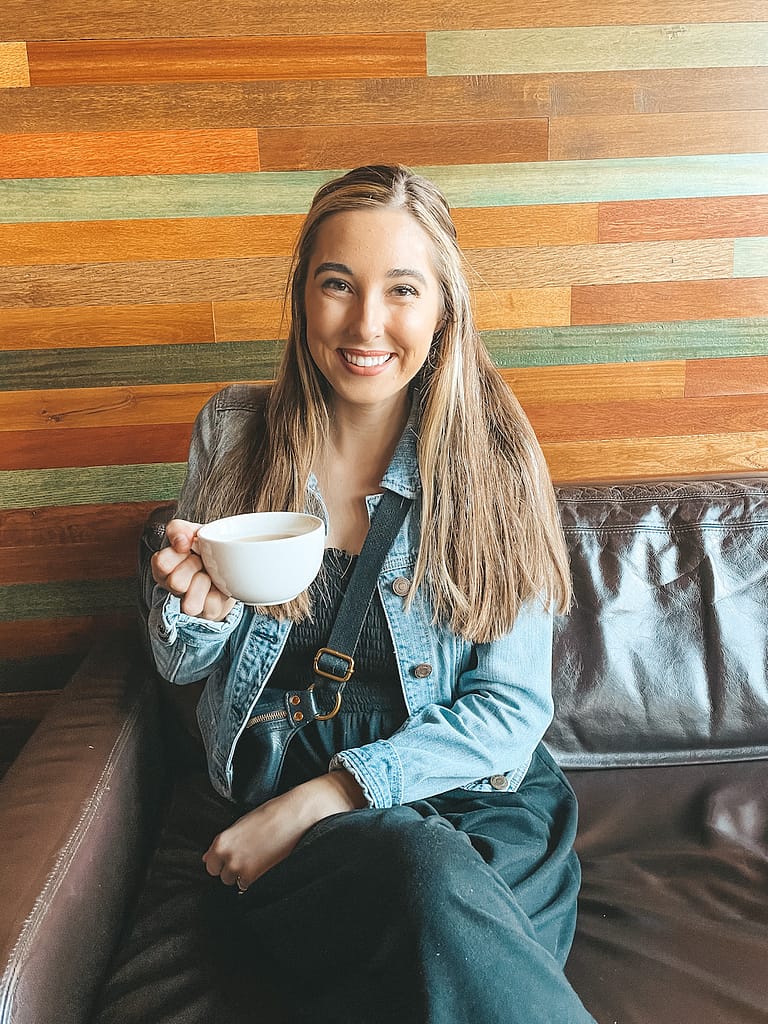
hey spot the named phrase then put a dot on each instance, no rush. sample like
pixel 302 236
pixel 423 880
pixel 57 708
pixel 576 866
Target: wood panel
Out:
pixel 95 446
pixel 115 284
pixel 576 384
pixel 597 137
pixel 725 217
pixel 235 60
pixel 14 68
pixel 68 155
pixel 522 307
pixel 90 485
pixel 57 600
pixel 500 226
pixel 81 326
pixel 62 525
pixel 477 142
pixel 246 321
pixel 595 48
pixel 126 241
pixel 713 377
pixel 661 301
pixel 70 635
pixel 750 257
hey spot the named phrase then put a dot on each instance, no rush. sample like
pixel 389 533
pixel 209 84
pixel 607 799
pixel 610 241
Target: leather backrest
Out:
pixel 663 657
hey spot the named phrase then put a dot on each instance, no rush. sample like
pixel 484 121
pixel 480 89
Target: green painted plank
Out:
pixel 750 257
pixel 598 48
pixel 26 200
pixel 627 343
pixel 21 488
pixel 61 600
pixel 28 369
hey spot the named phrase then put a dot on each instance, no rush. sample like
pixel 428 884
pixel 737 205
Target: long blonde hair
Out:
pixel 490 531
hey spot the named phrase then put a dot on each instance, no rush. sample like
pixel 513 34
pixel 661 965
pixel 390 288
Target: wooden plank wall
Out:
pixel 608 164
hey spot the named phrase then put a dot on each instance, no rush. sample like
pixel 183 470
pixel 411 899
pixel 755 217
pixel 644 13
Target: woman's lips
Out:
pixel 367 363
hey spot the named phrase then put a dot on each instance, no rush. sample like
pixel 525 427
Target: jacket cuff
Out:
pixel 171 621
pixel 377 770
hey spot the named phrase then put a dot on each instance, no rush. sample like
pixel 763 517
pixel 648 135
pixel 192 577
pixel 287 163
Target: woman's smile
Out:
pixel 367 364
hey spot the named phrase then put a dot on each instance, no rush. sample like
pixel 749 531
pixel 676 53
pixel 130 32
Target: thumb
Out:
pixel 181 535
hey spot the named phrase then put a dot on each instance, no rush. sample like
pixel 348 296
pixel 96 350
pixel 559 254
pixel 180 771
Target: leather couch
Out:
pixel 661 681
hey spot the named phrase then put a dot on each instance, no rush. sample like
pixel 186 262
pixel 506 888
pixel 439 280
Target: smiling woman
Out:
pixel 428 781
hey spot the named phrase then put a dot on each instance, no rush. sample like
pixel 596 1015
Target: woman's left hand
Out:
pixel 266 835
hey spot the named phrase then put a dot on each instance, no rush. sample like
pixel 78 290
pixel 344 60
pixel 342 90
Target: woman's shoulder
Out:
pixel 226 414
pixel 239 398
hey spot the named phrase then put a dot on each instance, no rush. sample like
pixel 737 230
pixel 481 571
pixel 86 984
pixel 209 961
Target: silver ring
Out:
pixel 241 889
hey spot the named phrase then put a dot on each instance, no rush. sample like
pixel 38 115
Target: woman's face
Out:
pixel 373 304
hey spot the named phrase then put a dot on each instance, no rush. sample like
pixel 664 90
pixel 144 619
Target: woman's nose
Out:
pixel 368 318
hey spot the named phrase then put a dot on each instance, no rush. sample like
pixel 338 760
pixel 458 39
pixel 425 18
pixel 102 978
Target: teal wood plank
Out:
pixel 28 369
pixel 61 600
pixel 598 48
pixel 25 200
pixel 750 257
pixel 627 343
pixel 36 488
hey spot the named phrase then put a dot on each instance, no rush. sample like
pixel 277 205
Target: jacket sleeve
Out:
pixel 502 707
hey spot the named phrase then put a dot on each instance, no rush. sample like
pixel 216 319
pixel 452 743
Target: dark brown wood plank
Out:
pixel 90 61
pixel 60 525
pixel 95 446
pixel 48 637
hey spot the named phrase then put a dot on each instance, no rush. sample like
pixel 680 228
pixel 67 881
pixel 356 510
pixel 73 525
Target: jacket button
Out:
pixel 422 671
pixel 500 782
pixel 401 586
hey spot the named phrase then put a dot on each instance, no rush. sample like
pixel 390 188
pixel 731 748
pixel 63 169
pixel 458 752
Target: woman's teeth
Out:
pixel 357 360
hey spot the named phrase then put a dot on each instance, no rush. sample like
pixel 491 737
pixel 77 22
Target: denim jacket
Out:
pixel 475 711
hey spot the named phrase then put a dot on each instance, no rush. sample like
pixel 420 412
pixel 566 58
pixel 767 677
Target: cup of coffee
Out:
pixel 262 558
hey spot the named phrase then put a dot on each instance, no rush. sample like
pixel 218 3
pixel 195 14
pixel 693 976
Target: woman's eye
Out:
pixel 405 290
pixel 336 284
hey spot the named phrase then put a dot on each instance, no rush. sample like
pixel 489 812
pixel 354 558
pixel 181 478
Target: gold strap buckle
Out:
pixel 331 675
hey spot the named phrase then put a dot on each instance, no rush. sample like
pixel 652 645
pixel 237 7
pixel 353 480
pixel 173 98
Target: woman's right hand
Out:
pixel 179 569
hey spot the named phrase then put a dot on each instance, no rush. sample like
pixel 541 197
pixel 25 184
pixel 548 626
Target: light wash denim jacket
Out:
pixel 476 711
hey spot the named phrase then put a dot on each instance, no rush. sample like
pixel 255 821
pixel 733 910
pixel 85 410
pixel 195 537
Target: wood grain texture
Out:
pixel 67 19
pixel 71 635
pixel 713 377
pixel 724 217
pixel 641 457
pixel 226 59
pixel 69 155
pixel 500 226
pixel 594 48
pixel 616 343
pixel 522 307
pixel 101 326
pixel 597 137
pixel 14 66
pixel 60 600
pixel 562 265
pixel 102 407
pixel 477 142
pixel 90 485
pixel 126 241
pixel 618 382
pixel 248 321
pixel 95 446
pixel 141 365
pixel 290 192
pixel 660 301
pixel 115 284
pixel 750 257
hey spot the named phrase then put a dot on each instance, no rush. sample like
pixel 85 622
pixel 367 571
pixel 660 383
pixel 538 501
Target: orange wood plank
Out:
pixel 647 458
pixel 249 321
pixel 601 382
pixel 126 241
pixel 657 219
pixel 522 307
pixel 84 154
pixel 600 137
pixel 103 326
pixel 139 443
pixel 14 67
pixel 316 147
pixel 500 226
pixel 670 300
pixel 59 636
pixel 230 60
pixel 67 408
pixel 707 378
pixel 676 417
pixel 71 524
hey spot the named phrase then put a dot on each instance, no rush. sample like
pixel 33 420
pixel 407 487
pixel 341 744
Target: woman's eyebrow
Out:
pixel 340 268
pixel 407 272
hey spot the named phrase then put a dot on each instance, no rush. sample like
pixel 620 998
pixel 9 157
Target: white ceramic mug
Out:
pixel 262 558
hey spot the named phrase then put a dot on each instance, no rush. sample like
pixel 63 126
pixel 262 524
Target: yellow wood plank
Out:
pixel 646 458
pixel 128 241
pixel 499 226
pixel 102 326
pixel 602 382
pixel 249 321
pixel 559 266
pixel 522 307
pixel 14 66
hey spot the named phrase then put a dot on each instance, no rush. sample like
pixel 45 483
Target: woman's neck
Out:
pixel 364 438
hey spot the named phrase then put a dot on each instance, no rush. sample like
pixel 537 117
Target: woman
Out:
pixel 417 864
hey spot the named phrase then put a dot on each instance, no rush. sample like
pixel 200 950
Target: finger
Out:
pixel 194 597
pixel 164 562
pixel 179 580
pixel 181 534
pixel 217 605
